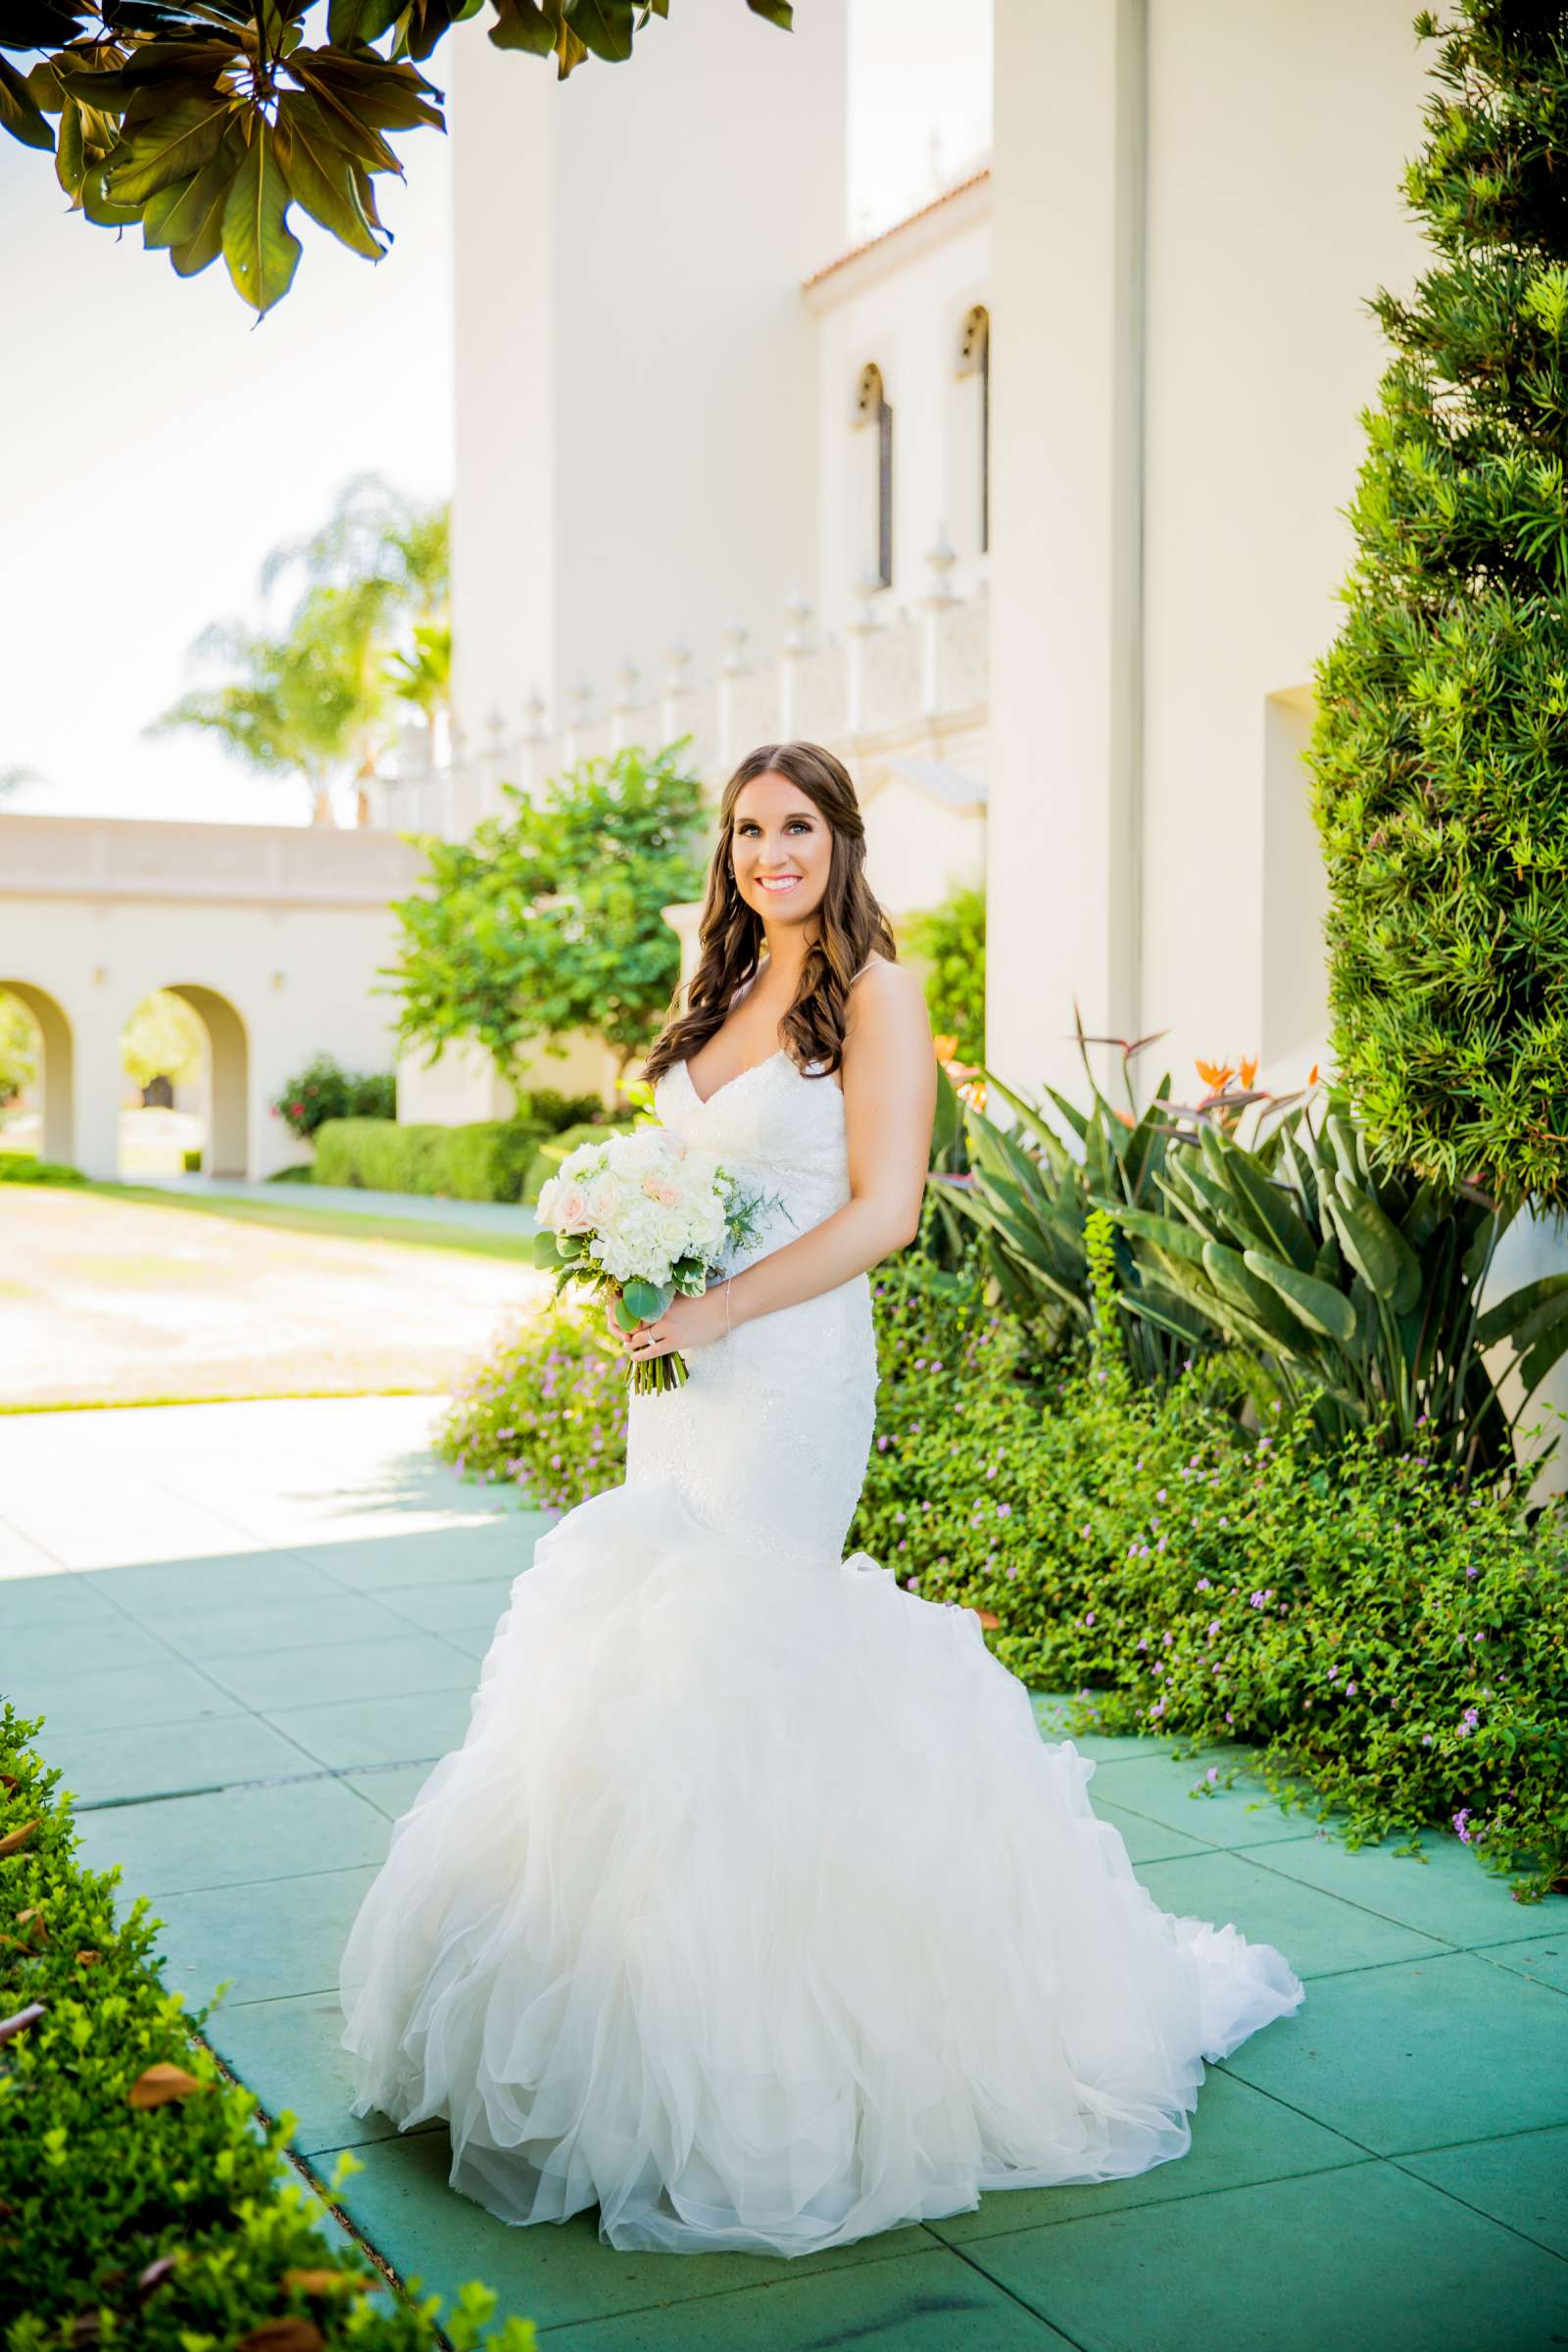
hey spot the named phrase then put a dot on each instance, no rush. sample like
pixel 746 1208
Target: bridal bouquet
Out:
pixel 641 1215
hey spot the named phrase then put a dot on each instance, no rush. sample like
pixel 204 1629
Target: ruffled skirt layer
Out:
pixel 754 1910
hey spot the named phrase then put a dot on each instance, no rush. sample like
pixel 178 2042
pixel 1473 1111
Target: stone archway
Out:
pixel 58 1136
pixel 229 1079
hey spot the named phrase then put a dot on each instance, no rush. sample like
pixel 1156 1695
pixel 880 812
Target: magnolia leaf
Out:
pixel 88 1957
pixel 604 27
pixel 260 248
pixel 199 225
pixel 383 96
pixel 523 24
pixel 15 1840
pixel 99 208
pixel 19 109
pixel 350 20
pixel 69 163
pixel 321 176
pixel 171 146
pixel 776 12
pixel 156 2086
pixel 177 214
pixel 343 121
pixel 38 25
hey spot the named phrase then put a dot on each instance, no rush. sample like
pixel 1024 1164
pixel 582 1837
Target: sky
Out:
pixel 141 496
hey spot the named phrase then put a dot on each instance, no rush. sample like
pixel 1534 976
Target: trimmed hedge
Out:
pixel 484 1161
pixel 20 1167
pixel 140 2199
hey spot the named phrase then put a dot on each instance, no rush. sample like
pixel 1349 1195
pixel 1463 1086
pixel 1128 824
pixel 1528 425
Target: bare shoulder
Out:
pixel 887 1004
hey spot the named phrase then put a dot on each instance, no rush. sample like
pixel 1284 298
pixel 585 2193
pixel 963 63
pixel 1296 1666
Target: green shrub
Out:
pixel 324 1090
pixel 1440 750
pixel 483 1162
pixel 303 1173
pixel 161 2226
pixel 20 1167
pixel 547 1108
pixel 545 1409
pixel 1398 1647
pixel 950 939
pixel 548 1155
pixel 191 1162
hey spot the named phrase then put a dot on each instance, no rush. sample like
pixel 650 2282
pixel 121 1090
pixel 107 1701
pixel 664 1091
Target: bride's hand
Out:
pixel 685 1325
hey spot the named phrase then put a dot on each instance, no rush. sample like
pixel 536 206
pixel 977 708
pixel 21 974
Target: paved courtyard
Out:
pixel 252 1627
pixel 107 1299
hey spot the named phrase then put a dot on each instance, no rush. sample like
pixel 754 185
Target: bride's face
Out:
pixel 781 845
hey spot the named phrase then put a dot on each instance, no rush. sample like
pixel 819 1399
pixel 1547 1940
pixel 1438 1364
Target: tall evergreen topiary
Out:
pixel 1441 751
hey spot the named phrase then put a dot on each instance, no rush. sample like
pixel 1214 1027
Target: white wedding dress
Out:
pixel 753 1909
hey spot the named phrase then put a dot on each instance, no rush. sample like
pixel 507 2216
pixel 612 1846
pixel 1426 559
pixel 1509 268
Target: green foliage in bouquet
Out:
pixel 142 2201
pixel 1441 751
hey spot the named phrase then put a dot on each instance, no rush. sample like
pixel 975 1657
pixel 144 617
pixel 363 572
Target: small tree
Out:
pixel 551 920
pixel 1441 751
pixel 163 1039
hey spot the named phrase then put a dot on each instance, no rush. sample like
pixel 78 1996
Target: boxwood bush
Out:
pixel 486 1160
pixel 141 2199
pixel 24 1168
pixel 1393 1644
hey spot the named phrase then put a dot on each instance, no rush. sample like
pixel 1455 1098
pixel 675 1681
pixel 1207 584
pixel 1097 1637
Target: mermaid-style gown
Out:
pixel 753 1907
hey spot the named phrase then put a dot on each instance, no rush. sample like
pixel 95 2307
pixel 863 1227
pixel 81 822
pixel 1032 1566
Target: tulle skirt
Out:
pixel 754 1910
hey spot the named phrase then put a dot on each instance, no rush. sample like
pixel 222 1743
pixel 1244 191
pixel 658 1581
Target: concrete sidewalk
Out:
pixel 254 1627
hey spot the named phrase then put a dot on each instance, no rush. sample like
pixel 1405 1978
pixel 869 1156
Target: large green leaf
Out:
pixel 1322 1309
pixel 260 248
pixel 777 12
pixel 19 111
pixel 172 145
pixel 321 176
pixel 1375 1247
pixel 185 212
pixel 1272 1209
pixel 349 20
pixel 372 92
pixel 1238 1286
pixel 604 27
pixel 1527 1314
pixel 523 24
pixel 202 220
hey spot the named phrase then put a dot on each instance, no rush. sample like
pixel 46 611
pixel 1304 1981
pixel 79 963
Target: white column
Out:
pixel 1065 819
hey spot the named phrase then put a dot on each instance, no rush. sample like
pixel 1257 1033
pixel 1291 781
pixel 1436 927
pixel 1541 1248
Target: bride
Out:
pixel 753 1908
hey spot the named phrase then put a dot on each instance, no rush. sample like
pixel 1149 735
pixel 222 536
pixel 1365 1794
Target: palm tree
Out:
pixel 288 711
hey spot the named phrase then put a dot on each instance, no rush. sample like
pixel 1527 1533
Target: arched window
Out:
pixel 974 360
pixel 871 409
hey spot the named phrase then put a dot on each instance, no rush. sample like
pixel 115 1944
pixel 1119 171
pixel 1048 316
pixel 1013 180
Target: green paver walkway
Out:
pixel 252 1627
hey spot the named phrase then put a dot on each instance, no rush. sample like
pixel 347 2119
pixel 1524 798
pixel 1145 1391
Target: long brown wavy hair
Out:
pixel 850 924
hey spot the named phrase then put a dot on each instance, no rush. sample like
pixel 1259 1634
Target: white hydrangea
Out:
pixel 644 1200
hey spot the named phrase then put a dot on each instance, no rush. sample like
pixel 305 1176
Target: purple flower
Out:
pixel 1426 1739
pixel 1212 1774
pixel 1204 1584
pixel 1350 1689
pixel 1461 1824
pixel 1471 1573
pixel 1090 1619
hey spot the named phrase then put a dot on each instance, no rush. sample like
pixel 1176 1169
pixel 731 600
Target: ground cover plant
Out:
pixel 1393 1647
pixel 141 2200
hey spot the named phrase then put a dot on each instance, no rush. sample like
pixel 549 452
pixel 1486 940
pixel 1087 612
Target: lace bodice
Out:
pixel 771 1434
